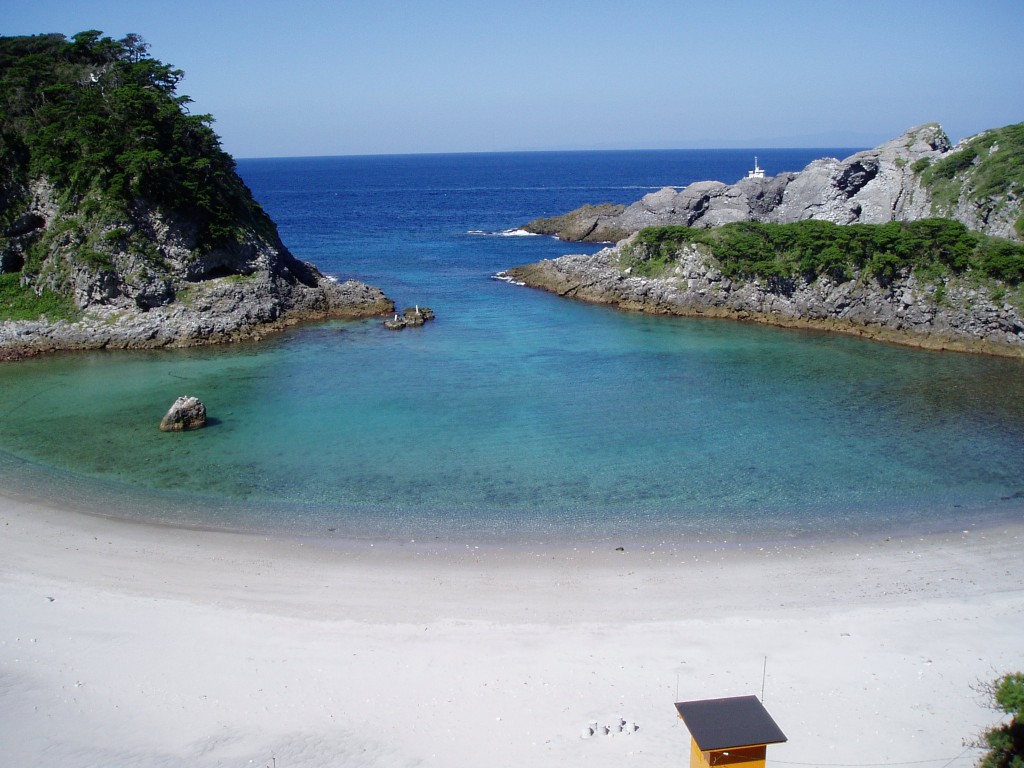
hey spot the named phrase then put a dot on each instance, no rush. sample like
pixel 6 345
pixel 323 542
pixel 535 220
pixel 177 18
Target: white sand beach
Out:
pixel 125 644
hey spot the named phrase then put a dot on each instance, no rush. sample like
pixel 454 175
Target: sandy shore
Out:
pixel 124 644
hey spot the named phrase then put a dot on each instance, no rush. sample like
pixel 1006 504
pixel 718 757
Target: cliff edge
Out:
pixel 122 221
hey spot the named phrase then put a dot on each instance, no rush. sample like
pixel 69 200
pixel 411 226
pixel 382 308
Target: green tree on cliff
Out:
pixel 102 121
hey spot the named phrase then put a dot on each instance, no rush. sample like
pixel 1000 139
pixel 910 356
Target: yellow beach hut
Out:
pixel 733 731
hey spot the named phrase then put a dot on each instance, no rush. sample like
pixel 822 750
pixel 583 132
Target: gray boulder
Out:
pixel 186 413
pixel 871 187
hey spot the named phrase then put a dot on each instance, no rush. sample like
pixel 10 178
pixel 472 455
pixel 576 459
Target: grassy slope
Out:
pixel 988 171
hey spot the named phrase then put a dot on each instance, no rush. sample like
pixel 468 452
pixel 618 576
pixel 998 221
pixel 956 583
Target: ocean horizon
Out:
pixel 516 415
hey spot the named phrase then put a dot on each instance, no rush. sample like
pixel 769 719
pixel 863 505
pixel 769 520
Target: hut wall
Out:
pixel 746 757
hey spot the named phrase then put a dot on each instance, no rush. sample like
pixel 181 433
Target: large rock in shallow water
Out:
pixel 186 413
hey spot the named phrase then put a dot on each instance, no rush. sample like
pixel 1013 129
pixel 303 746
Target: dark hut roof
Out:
pixel 739 721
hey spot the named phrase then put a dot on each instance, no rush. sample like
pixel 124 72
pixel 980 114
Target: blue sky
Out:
pixel 320 77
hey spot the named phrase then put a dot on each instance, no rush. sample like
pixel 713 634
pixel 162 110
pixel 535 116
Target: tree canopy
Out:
pixel 100 119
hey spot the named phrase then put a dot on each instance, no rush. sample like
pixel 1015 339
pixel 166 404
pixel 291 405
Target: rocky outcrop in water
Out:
pixel 872 187
pixel 186 413
pixel 215 311
pixel 411 317
pixel 952 314
pixel 156 286
pixel 153 283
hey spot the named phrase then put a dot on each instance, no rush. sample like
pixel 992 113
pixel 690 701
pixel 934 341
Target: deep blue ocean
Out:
pixel 516 415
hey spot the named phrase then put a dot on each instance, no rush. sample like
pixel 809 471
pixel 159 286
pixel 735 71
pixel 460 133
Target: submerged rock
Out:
pixel 187 413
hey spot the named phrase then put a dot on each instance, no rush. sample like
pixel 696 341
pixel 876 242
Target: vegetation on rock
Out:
pixel 987 171
pixel 931 248
pixel 94 138
pixel 19 302
pixel 101 120
pixel 120 212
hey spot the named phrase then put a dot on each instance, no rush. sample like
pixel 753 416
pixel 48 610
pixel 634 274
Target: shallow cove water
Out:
pixel 516 415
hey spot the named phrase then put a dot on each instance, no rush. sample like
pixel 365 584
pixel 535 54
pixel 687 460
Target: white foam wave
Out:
pixel 503 233
pixel 506 278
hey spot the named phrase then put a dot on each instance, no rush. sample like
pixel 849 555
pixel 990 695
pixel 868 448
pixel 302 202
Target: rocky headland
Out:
pixel 917 175
pixel 214 312
pixel 122 222
pixel 963 299
pixel 170 291
pixel 908 311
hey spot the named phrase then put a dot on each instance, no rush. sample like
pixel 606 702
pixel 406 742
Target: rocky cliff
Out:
pixel 953 313
pixel 122 222
pixel 152 283
pixel 916 175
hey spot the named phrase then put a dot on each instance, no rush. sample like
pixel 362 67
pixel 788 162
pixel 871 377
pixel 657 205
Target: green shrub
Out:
pixel 115 236
pixel 1000 259
pixel 19 302
pixel 932 248
pixel 657 247
pixel 884 267
pixel 952 164
pixel 95 259
pixel 1005 743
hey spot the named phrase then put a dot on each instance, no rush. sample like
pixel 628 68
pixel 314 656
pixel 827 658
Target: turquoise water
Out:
pixel 518 415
